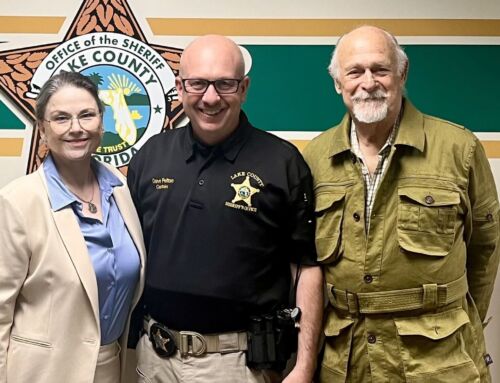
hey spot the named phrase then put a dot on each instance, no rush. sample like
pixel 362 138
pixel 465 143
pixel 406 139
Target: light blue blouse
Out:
pixel 111 249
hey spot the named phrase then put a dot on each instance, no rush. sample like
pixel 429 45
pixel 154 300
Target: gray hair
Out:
pixel 401 57
pixel 62 80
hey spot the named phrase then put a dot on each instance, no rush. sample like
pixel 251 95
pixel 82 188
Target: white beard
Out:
pixel 370 108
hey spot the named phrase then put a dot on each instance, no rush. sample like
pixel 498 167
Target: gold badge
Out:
pixel 244 191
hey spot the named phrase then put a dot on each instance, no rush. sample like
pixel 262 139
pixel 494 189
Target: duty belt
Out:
pixel 428 296
pixel 166 341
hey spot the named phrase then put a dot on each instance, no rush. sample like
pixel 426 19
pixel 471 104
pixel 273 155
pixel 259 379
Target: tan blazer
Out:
pixel 49 310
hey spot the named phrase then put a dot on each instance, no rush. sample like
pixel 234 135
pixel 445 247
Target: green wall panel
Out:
pixel 291 89
pixel 457 82
pixel 8 120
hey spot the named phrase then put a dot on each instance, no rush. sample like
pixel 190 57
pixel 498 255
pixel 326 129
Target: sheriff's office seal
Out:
pixel 134 83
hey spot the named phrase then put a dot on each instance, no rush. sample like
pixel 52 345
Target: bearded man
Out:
pixel 407 229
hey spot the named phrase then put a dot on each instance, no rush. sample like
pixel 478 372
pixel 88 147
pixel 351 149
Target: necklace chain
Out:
pixel 92 207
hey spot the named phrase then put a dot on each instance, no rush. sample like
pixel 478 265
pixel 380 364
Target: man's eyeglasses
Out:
pixel 221 85
pixel 87 121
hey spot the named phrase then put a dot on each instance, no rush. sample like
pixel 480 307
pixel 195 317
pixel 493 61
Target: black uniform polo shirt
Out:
pixel 221 224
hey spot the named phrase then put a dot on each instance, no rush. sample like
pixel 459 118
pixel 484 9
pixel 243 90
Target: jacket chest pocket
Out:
pixel 427 219
pixel 329 211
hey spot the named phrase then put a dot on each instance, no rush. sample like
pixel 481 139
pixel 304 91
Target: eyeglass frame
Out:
pixel 212 82
pixel 97 114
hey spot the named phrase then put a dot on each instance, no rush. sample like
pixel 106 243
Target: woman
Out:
pixel 71 251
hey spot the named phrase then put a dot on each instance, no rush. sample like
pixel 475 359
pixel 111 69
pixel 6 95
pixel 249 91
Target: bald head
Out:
pixel 209 47
pixel 368 35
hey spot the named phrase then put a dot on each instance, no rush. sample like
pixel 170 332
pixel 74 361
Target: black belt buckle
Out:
pixel 162 340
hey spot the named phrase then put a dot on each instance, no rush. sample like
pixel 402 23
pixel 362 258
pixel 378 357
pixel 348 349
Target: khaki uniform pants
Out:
pixel 209 368
pixel 108 364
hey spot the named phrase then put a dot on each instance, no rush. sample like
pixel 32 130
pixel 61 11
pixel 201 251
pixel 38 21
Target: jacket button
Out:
pixel 356 217
pixel 489 217
pixel 368 278
pixel 201 182
pixel 429 200
pixel 372 339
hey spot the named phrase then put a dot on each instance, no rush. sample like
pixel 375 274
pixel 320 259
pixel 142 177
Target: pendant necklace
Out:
pixel 92 207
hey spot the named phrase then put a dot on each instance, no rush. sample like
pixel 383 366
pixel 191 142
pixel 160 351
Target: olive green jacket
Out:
pixel 435 219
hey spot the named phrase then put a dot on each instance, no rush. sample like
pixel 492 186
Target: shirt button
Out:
pixel 368 278
pixel 106 317
pixel 489 217
pixel 372 339
pixel 356 217
pixel 429 200
pixel 201 182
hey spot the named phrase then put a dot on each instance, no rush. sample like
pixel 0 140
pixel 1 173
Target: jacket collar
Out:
pixel 410 132
pixel 72 238
pixel 411 128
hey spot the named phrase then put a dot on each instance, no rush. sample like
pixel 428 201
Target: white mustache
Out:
pixel 362 96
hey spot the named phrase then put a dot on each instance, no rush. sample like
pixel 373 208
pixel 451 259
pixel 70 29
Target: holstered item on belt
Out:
pixel 428 296
pixel 272 338
pixel 166 341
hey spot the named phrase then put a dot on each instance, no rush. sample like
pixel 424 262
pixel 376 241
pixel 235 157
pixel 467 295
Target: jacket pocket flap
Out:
pixel 430 196
pixel 335 324
pixel 433 326
pixel 326 200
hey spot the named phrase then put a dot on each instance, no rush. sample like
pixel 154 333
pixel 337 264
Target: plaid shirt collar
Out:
pixel 383 152
pixel 372 181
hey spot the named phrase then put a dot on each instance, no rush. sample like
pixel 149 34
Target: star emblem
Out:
pixel 244 192
pixel 18 66
pixel 160 340
pixel 157 109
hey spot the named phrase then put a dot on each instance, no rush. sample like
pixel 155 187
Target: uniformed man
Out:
pixel 226 210
pixel 407 229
